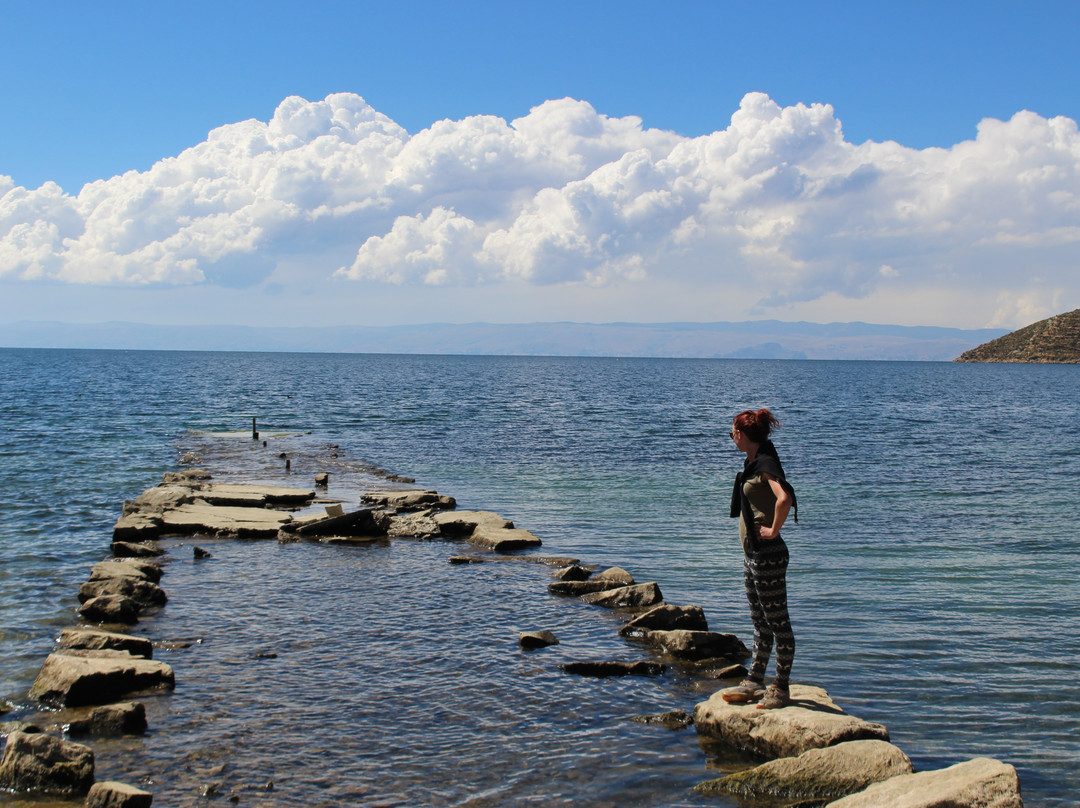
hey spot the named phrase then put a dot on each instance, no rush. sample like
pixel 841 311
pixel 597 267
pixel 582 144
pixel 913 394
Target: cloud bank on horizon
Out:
pixel 778 205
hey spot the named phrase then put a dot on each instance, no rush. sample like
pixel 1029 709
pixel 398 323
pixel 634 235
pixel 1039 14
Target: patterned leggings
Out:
pixel 765 575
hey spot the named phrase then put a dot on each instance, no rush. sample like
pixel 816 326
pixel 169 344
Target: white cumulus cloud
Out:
pixel 778 201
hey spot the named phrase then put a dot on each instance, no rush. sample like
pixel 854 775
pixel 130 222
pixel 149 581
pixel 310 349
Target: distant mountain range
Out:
pixel 759 339
pixel 1055 339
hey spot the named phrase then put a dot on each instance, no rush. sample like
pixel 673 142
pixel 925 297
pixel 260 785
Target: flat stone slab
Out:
pixel 137 527
pixel 73 681
pixel 463 523
pixel 503 539
pixel 270 494
pixel 131 568
pixel 819 774
pixel 414 498
pixel 811 721
pixel 980 783
pixel 196 518
pixel 90 639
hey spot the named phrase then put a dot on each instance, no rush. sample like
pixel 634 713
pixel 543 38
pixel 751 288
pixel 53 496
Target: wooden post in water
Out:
pixel 254 429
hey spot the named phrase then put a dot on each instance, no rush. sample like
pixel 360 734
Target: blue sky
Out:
pixel 93 90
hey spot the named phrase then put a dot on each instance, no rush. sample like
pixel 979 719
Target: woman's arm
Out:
pixel 783 505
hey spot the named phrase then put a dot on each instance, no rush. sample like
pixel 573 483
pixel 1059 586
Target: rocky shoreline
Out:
pixel 812 752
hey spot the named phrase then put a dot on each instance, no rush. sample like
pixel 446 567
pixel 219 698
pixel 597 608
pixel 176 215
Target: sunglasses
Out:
pixel 731 434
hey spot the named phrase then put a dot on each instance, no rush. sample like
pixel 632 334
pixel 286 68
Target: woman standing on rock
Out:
pixel 762 499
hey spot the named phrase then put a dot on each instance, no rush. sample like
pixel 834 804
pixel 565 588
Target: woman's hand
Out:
pixel 767 533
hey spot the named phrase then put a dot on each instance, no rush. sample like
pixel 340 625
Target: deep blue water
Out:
pixel 933 580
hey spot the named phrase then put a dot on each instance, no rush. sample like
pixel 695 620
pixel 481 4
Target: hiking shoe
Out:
pixel 775 698
pixel 749 690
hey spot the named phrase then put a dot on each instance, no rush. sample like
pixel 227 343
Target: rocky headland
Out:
pixel 1055 340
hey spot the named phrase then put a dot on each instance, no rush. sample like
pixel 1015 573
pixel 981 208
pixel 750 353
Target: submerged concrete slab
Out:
pixel 811 721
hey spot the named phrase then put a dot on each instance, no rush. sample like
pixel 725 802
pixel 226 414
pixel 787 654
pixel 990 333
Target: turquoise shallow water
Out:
pixel 933 576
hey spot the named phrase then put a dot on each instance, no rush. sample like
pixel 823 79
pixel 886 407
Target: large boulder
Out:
pixel 696 645
pixel 41 763
pixel 463 523
pixel 979 783
pixel 627 597
pixel 90 639
pixel 111 794
pixel 73 681
pixel 143 592
pixel 126 718
pixel 503 539
pixel 811 721
pixel 111 609
pixel 818 774
pixel 666 618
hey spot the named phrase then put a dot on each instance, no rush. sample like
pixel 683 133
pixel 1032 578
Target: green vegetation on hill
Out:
pixel 1055 339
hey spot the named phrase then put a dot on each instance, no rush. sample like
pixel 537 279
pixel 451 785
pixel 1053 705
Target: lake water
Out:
pixel 933 580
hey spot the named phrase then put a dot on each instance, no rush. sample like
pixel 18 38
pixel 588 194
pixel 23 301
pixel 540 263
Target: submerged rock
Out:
pixel 90 639
pixel 666 618
pixel 673 719
pixel 537 639
pixel 111 794
pixel 696 645
pixel 811 721
pixel 126 718
pixel 41 763
pixel 627 597
pixel 979 783
pixel 818 774
pixel 604 669
pixel 73 681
